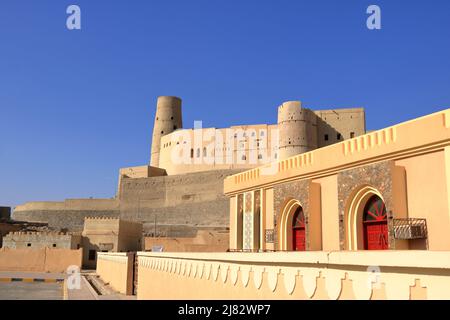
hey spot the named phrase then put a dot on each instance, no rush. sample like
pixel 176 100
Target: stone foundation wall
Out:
pixel 180 203
pixel 71 220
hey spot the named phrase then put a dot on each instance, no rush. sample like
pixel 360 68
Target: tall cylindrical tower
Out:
pixel 297 129
pixel 168 118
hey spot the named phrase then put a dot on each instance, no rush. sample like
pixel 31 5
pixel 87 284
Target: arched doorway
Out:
pixel 292 227
pixel 375 228
pixel 365 220
pixel 298 230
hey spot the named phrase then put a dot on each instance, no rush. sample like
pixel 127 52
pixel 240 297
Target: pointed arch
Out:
pixel 354 215
pixel 291 208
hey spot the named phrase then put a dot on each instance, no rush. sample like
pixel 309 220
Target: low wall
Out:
pixel 116 269
pixel 204 241
pixel 295 275
pixel 39 260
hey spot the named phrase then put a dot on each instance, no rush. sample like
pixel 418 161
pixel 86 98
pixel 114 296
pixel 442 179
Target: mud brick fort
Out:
pixel 182 198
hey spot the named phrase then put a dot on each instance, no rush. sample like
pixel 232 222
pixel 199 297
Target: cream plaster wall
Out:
pixel 420 151
pixel 116 269
pixel 402 275
pixel 428 195
pixel 330 212
pixel 39 260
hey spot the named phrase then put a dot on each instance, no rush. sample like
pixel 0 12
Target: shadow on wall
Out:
pixel 327 135
pixel 90 250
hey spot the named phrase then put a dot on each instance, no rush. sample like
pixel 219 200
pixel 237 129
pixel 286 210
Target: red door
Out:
pixel 376 236
pixel 298 230
pixel 299 239
pixel 375 225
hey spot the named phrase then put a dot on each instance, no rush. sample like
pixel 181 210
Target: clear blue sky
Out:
pixel 75 106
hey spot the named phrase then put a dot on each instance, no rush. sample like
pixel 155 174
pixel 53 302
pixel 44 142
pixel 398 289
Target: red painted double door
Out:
pixel 298 230
pixel 375 225
pixel 376 236
pixel 299 239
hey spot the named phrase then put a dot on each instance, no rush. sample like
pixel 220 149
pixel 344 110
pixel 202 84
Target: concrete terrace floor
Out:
pixel 17 290
pixel 31 291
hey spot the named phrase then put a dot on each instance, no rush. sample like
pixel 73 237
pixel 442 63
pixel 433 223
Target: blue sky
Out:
pixel 75 106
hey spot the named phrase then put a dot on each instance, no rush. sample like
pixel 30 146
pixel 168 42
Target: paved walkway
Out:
pixel 30 288
pixel 31 291
pixel 31 275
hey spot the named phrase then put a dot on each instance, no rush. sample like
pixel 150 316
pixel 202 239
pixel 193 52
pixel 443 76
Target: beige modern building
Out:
pixel 109 235
pixel 388 189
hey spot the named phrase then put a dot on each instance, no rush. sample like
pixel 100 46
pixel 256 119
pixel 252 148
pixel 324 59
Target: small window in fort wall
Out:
pixel 244 158
pixel 259 156
pixel 92 255
pixel 352 135
pixel 28 244
pixel 339 137
pixel 198 153
pixel 204 152
pixel 54 245
pixel 175 127
pixel 192 153
pixel 326 137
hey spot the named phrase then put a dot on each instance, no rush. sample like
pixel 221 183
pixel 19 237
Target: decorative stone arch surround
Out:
pixel 355 186
pixel 353 216
pixel 284 224
pixel 283 194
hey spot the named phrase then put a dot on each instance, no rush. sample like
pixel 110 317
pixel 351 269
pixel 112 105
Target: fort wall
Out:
pixel 204 241
pixel 193 200
pixel 167 119
pixel 37 240
pixel 39 260
pixel 298 130
pixel 68 214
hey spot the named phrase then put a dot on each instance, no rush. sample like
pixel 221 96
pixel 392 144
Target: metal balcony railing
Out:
pixel 410 229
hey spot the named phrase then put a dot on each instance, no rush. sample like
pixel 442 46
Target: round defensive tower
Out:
pixel 297 129
pixel 168 118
